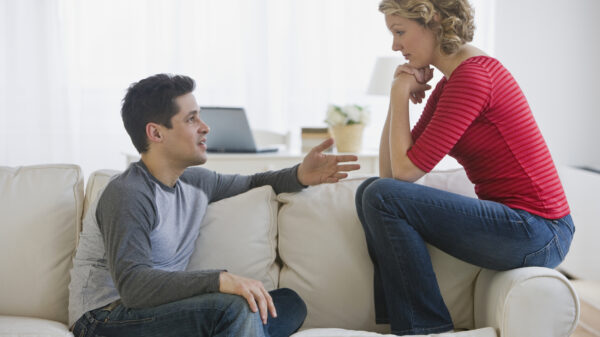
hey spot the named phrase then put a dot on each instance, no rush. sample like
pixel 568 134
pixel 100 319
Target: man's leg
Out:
pixel 291 312
pixel 204 315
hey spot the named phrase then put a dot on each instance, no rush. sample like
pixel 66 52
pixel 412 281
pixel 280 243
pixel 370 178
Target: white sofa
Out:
pixel 309 241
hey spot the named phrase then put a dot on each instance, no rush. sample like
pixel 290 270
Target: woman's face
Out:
pixel 416 42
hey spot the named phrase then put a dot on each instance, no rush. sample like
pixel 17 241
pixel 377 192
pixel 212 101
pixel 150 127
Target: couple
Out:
pixel 128 277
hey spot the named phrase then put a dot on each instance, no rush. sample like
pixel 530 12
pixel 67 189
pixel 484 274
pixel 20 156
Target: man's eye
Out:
pixel 399 32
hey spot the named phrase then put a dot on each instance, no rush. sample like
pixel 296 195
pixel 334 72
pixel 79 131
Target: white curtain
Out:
pixel 66 64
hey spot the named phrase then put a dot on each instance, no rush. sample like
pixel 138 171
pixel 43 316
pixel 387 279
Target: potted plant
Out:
pixel 346 124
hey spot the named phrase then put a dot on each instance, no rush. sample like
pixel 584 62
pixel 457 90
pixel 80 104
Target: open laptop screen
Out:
pixel 230 131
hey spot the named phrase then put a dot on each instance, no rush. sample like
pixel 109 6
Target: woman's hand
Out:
pixel 414 80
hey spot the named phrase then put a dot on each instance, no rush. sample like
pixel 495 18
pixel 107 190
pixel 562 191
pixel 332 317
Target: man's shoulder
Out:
pixel 127 185
pixel 199 176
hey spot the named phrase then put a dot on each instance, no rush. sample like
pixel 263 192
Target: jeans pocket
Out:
pixel 548 256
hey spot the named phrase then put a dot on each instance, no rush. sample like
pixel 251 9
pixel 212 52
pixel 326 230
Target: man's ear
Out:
pixel 154 132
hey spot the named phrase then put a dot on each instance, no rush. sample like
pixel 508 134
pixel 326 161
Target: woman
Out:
pixel 477 114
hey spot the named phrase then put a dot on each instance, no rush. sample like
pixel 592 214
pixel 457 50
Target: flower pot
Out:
pixel 348 138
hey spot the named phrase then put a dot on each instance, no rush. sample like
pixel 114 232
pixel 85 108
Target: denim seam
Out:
pixel 455 210
pixel 403 278
pixel 423 330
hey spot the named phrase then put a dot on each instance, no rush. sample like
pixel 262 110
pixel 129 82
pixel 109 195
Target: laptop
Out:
pixel 229 131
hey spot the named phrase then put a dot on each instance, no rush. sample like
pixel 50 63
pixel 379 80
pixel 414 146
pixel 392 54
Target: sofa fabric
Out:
pixel 41 210
pixel 484 332
pixel 239 234
pixel 335 275
pixel 310 241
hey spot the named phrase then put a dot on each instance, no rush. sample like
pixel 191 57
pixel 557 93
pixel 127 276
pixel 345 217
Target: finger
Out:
pixel 251 301
pixel 323 146
pixel 340 175
pixel 262 305
pixel 345 158
pixel 413 98
pixel 270 303
pixel 348 167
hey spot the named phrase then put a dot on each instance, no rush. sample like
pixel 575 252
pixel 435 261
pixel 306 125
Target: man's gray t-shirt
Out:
pixel 138 236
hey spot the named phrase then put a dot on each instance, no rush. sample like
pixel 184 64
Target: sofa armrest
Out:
pixel 526 302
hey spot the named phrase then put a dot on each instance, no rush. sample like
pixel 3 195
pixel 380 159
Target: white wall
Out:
pixel 552 48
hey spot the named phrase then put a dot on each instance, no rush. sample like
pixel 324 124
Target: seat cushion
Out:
pixel 485 332
pixel 325 258
pixel 41 210
pixel 32 327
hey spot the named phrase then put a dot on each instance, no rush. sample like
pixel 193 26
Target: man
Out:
pixel 129 277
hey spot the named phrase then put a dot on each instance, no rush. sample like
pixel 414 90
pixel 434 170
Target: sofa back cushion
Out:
pixel 40 209
pixel 238 233
pixel 325 258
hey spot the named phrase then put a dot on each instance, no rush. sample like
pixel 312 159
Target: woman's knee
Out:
pixel 358 197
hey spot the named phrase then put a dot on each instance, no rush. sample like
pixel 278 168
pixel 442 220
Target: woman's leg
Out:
pixel 381 315
pixel 401 217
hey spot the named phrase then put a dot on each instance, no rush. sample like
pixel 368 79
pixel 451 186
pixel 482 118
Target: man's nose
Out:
pixel 204 128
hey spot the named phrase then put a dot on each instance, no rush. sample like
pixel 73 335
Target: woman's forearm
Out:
pixel 385 168
pixel 400 138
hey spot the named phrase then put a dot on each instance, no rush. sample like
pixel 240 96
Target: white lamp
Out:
pixel 381 79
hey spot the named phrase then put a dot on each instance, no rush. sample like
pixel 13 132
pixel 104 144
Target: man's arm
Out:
pixel 316 168
pixel 125 219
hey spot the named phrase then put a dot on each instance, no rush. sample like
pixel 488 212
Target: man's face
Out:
pixel 185 142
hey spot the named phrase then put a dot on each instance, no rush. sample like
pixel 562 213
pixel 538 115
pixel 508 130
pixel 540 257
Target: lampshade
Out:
pixel 382 76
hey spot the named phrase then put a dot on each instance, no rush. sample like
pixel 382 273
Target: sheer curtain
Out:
pixel 66 65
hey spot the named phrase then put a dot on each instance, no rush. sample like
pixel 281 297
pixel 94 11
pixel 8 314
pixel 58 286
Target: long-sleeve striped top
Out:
pixel 481 117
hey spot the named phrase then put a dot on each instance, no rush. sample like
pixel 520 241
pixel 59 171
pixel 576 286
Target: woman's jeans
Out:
pixel 399 218
pixel 214 314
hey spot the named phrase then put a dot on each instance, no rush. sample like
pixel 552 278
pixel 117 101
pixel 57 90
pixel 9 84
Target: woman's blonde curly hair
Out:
pixel 456 25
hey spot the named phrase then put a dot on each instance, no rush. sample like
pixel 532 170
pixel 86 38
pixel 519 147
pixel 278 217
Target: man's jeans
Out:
pixel 213 314
pixel 400 217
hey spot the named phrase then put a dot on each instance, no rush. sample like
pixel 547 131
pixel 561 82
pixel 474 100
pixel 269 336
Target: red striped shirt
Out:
pixel 481 117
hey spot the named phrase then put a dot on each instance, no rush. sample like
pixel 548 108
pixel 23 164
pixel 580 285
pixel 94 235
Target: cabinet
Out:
pixel 249 163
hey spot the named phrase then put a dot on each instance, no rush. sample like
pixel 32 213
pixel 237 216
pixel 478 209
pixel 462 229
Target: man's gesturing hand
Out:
pixel 318 168
pixel 253 291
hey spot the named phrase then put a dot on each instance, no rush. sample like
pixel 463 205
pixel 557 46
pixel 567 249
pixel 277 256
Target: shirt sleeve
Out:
pixel 126 218
pixel 460 102
pixel 220 186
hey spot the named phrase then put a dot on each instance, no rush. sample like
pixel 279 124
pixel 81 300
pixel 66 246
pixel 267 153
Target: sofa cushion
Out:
pixel 41 210
pixel 484 332
pixel 239 234
pixel 32 327
pixel 325 258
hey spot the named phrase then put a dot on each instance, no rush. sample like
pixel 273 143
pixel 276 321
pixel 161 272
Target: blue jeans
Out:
pixel 399 218
pixel 214 314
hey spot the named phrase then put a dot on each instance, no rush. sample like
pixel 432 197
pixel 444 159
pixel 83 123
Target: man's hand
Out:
pixel 318 168
pixel 253 291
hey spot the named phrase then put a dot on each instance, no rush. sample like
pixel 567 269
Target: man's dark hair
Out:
pixel 152 100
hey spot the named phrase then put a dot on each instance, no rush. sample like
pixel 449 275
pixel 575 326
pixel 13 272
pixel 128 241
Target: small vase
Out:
pixel 348 138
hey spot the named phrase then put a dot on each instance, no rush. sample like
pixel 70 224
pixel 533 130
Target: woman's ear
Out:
pixel 436 17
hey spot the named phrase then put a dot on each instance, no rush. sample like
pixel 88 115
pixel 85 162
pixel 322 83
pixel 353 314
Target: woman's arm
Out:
pixel 385 168
pixel 409 84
